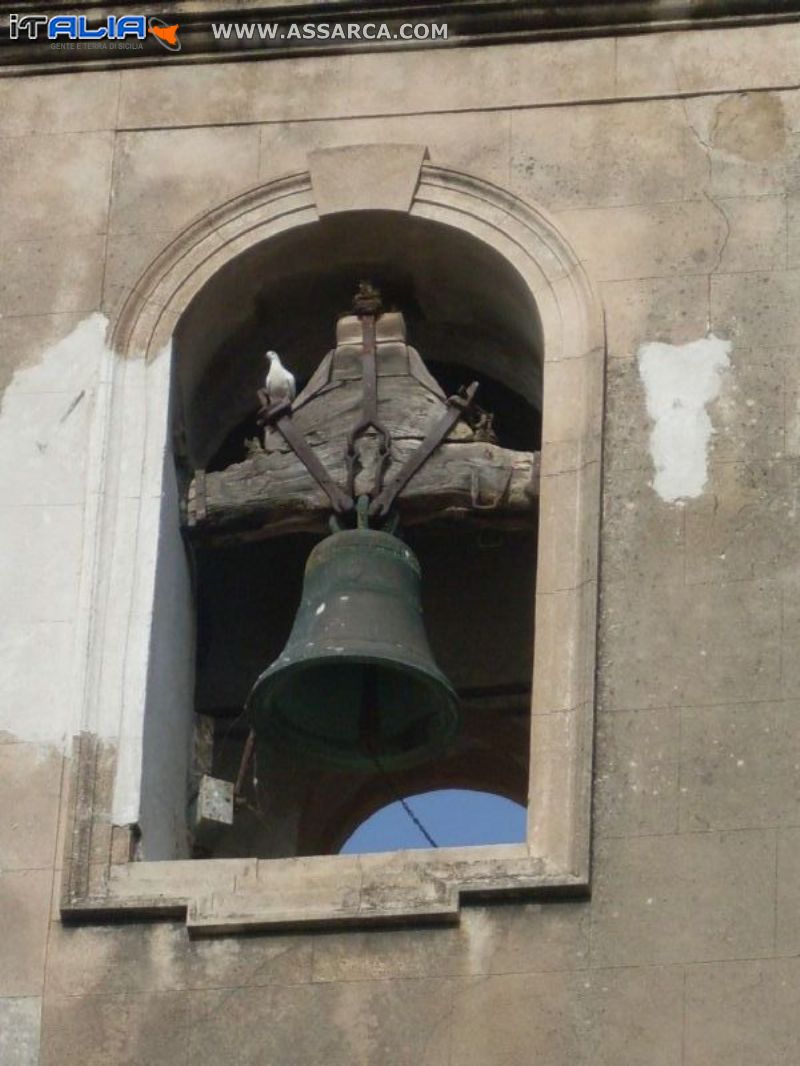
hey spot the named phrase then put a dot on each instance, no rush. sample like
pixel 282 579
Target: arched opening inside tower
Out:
pixel 452 313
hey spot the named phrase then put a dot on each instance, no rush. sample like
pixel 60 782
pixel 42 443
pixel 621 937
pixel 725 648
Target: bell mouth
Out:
pixel 363 714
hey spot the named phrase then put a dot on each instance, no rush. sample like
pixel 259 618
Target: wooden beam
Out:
pixel 272 494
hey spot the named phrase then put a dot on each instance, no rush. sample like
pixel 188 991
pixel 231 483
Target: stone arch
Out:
pixel 139 585
pixel 524 235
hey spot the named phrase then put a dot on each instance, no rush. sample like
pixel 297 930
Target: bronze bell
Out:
pixel 356 685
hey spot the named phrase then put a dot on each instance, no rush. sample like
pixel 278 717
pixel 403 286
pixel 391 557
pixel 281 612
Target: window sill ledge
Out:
pixel 219 897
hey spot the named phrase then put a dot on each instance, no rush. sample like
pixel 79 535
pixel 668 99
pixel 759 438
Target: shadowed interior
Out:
pixel 471 317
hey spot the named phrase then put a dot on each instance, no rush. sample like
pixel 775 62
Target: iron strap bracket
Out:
pixel 456 406
pixel 343 501
pixel 280 416
pixel 369 411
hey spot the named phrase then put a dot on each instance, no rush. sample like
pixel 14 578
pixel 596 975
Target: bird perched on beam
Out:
pixel 279 385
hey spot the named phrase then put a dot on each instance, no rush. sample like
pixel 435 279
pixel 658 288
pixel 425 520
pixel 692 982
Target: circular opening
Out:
pixel 452 817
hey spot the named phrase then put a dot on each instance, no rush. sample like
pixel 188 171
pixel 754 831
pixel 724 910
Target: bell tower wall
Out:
pixel 661 155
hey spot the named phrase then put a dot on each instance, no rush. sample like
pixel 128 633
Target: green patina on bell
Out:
pixel 357 685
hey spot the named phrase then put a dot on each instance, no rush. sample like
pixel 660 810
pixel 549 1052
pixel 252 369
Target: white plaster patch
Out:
pixel 84 461
pixel 680 381
pixel 46 419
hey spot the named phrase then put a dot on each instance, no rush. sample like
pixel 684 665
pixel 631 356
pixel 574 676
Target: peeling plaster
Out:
pixel 46 419
pixel 680 381
pixel 95 612
pixel 67 364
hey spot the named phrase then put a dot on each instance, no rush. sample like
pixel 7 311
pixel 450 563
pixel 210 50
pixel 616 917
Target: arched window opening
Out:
pixel 449 817
pixel 471 319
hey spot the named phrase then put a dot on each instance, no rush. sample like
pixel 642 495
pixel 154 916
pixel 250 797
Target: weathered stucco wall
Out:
pixel 672 162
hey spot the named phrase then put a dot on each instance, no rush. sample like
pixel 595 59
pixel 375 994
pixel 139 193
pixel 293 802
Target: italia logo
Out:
pixel 77 28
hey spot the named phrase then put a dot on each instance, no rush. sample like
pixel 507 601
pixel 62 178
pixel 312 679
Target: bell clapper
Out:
pixel 369 721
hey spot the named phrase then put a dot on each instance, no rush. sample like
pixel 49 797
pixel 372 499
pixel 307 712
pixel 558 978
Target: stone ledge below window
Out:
pixel 220 897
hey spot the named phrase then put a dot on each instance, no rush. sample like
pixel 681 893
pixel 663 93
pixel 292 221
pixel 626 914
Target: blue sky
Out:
pixel 453 817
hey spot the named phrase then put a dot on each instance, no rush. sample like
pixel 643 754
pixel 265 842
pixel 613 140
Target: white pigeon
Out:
pixel 280 383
